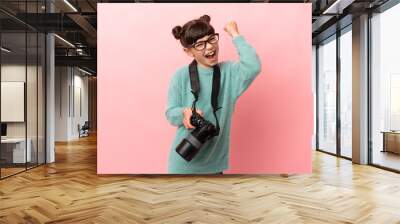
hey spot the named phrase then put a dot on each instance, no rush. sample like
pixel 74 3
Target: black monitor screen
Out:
pixel 3 129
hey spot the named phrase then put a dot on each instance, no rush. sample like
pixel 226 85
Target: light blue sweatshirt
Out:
pixel 236 77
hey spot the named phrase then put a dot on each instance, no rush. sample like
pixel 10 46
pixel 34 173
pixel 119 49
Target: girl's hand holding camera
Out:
pixel 187 114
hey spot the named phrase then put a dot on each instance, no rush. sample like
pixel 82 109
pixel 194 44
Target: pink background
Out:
pixel 137 55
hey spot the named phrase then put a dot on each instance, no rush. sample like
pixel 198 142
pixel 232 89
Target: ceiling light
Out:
pixel 70 5
pixel 64 40
pixel 5 50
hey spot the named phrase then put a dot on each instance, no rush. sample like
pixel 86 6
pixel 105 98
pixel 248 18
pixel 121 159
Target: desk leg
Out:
pixel 384 142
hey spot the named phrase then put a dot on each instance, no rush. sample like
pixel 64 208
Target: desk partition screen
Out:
pixel 272 123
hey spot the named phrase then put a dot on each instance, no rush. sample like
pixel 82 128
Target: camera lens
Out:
pixel 204 130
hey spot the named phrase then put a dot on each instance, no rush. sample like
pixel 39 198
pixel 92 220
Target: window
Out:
pixel 346 75
pixel 327 95
pixel 385 88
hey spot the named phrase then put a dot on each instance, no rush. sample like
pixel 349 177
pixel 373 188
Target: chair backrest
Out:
pixel 86 125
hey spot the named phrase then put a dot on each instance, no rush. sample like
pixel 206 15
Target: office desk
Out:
pixel 391 141
pixel 13 150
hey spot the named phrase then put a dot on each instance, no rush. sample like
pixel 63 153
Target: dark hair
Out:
pixel 193 30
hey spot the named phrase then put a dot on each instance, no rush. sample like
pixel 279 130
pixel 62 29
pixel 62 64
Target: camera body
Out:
pixel 203 131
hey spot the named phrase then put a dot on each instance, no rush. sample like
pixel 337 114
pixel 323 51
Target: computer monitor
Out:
pixel 3 129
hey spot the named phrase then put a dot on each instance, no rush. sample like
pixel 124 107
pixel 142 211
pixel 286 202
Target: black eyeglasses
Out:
pixel 201 45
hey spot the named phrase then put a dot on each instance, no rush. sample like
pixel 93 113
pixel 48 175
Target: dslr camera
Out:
pixel 203 131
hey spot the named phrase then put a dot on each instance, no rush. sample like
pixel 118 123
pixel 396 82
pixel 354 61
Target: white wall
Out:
pixel 81 84
pixel 62 81
pixel 70 84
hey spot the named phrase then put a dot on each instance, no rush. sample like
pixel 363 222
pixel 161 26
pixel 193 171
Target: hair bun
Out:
pixel 205 18
pixel 177 32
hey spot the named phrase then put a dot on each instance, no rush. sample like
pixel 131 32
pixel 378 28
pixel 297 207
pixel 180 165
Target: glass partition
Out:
pixel 22 63
pixel 13 103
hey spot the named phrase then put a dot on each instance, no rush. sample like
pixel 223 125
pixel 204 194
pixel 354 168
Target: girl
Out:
pixel 200 41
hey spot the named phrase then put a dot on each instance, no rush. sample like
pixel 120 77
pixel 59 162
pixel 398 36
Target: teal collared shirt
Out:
pixel 236 77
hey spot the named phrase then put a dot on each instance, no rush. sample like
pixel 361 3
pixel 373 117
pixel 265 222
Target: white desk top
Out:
pixel 13 140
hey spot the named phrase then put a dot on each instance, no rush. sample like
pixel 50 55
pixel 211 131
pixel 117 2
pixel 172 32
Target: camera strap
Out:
pixel 195 85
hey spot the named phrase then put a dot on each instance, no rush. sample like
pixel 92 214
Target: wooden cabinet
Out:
pixel 391 142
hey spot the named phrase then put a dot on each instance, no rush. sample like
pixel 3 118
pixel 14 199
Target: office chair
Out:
pixel 84 130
